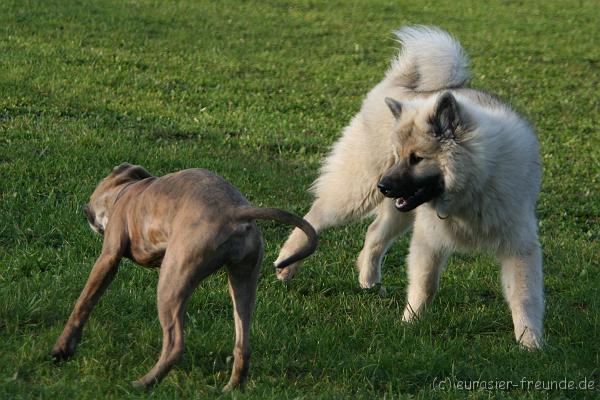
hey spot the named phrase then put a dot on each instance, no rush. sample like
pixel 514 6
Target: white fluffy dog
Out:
pixel 456 164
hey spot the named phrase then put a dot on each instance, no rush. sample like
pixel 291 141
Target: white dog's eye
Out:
pixel 414 159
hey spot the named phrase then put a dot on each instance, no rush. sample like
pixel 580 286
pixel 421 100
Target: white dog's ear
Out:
pixel 395 107
pixel 446 118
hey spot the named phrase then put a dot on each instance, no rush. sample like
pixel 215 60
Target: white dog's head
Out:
pixel 425 132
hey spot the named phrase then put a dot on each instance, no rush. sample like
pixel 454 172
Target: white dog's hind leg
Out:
pixel 425 264
pixel 388 224
pixel 523 286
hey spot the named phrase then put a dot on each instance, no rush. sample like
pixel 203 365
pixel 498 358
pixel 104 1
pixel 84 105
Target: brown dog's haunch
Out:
pixel 189 224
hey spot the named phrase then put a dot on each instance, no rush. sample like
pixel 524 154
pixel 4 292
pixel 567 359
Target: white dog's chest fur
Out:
pixel 461 234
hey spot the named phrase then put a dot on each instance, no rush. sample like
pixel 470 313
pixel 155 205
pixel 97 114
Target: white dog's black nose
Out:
pixel 384 188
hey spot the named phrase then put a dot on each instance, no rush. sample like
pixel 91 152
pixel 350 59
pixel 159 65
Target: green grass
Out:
pixel 257 92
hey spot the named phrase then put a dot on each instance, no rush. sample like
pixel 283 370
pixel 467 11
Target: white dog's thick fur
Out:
pixel 489 165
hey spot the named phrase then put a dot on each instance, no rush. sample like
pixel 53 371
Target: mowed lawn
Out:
pixel 257 92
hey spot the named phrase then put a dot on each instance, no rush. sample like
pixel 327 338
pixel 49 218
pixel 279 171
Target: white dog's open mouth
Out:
pixel 401 202
pixel 422 195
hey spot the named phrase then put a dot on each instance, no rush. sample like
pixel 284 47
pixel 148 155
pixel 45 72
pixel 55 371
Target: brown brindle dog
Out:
pixel 189 224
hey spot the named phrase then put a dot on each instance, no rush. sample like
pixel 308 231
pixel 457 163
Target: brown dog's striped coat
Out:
pixel 189 223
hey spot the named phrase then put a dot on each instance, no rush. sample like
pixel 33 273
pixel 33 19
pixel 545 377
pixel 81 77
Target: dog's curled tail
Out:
pixel 430 60
pixel 285 217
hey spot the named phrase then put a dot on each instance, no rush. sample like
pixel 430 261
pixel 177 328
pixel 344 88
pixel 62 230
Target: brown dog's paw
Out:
pixel 139 384
pixel 62 353
pixel 65 348
pixel 230 387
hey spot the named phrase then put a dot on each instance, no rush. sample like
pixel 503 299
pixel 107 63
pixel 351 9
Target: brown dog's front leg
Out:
pixel 102 274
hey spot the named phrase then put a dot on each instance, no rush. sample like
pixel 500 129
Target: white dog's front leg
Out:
pixel 320 217
pixel 523 286
pixel 347 187
pixel 388 224
pixel 425 264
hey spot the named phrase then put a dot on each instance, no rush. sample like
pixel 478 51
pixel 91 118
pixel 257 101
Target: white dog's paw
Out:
pixel 287 273
pixel 530 340
pixel 368 275
pixel 409 315
pixel 367 282
pixel 376 288
pixel 295 242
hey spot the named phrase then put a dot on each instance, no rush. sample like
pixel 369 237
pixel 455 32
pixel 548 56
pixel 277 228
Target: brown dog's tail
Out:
pixel 278 215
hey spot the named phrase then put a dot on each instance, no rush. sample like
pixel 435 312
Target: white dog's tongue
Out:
pixel 400 202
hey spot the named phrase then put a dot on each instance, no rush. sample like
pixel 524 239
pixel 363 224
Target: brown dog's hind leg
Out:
pixel 180 273
pixel 243 277
pixel 102 274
